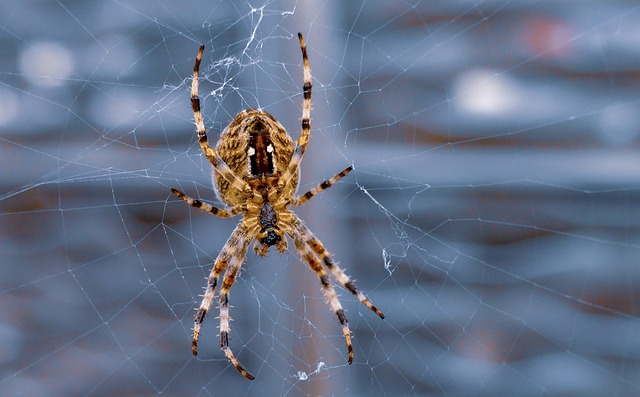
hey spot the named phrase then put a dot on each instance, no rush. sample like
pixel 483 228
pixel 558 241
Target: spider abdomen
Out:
pixel 255 146
pixel 260 154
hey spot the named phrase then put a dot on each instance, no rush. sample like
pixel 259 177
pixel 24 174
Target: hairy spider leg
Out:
pixel 213 156
pixel 230 276
pixel 303 140
pixel 327 288
pixel 335 270
pixel 232 249
pixel 326 184
pixel 201 205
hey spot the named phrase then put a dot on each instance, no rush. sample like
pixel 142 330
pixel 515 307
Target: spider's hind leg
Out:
pixel 303 139
pixel 211 154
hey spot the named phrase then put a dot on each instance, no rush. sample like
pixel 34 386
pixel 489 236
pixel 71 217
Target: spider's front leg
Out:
pixel 328 290
pixel 230 276
pixel 230 258
pixel 228 253
pixel 317 247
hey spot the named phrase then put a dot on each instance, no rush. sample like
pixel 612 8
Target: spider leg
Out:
pixel 229 278
pixel 317 247
pixel 222 213
pixel 303 140
pixel 328 290
pixel 322 186
pixel 233 248
pixel 213 156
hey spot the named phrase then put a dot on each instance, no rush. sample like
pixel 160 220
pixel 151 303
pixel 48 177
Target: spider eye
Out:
pixel 271 239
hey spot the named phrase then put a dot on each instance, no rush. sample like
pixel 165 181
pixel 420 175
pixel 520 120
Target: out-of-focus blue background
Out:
pixel 493 214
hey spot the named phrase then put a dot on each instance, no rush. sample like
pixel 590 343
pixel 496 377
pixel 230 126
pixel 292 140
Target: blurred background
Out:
pixel 493 214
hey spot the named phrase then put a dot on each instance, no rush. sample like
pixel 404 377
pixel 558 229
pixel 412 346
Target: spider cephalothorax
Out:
pixel 256 169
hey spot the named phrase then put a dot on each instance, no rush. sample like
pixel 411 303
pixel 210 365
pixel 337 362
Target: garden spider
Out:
pixel 256 170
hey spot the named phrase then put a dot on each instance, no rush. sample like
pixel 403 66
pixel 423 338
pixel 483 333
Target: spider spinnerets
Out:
pixel 256 170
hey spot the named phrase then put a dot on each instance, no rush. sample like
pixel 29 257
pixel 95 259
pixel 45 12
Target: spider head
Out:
pixel 272 238
pixel 268 221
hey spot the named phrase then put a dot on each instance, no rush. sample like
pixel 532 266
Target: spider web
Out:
pixel 493 214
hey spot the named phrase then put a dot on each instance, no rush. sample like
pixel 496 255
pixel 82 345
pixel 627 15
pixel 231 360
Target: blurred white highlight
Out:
pixel 46 64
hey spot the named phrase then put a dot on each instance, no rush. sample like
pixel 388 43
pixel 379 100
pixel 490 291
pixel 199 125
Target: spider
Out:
pixel 256 171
